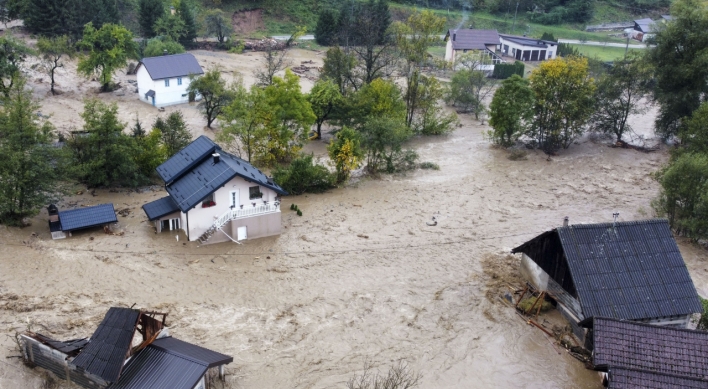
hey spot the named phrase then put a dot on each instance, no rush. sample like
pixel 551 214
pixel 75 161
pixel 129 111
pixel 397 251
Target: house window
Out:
pixel 208 201
pixel 233 196
pixel 167 82
pixel 254 192
pixel 179 80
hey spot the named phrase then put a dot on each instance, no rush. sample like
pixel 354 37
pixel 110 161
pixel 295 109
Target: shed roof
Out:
pixel 627 270
pixel 109 345
pixel 169 66
pixel 472 39
pixel 192 175
pixel 529 42
pixel 169 363
pixel 87 217
pixel 160 207
pixel 644 25
pixel 68 347
pixel 651 348
pixel 621 378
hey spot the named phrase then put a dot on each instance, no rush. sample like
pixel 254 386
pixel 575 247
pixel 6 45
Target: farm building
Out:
pixel 483 42
pixel 163 80
pixel 109 360
pixel 637 355
pixel 625 270
pixel 215 196
pixel 63 223
pixel 527 49
pixel 643 29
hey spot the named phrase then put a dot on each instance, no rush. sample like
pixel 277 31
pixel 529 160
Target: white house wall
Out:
pixel 513 47
pixel 164 95
pixel 449 52
pixel 200 219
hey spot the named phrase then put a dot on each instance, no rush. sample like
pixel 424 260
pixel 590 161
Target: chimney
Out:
pixel 454 36
pixel 565 221
pixel 217 157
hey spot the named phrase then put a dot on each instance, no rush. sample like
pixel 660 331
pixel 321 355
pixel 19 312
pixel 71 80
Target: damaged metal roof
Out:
pixel 87 217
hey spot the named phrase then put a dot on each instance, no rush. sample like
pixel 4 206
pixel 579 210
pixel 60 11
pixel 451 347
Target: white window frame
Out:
pixel 233 199
pixel 179 80
pixel 167 82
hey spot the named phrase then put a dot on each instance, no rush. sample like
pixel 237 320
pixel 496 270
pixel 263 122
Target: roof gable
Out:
pixel 645 25
pixel 80 218
pixel 195 152
pixel 627 270
pixel 472 39
pixel 109 345
pixel 646 347
pixel 169 66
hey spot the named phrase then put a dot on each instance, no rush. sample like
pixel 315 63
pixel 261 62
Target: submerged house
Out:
pixel 163 80
pixel 130 349
pixel 215 196
pixel 636 355
pixel 483 42
pixel 522 48
pixel 63 223
pixel 625 270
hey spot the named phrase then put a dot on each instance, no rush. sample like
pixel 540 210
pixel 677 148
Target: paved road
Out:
pixel 606 44
pixel 308 37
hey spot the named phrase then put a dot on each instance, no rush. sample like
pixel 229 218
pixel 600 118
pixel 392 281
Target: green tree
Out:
pixel 12 53
pixel 383 138
pixel 339 67
pixel 694 134
pixel 109 49
pixel 511 111
pixel 371 40
pixel 563 94
pixel 174 134
pixel 679 59
pixel 160 45
pixel 346 152
pixel 148 152
pixel 431 118
pixel 171 26
pixel 326 29
pixel 103 155
pixel 684 195
pixel 379 99
pixel 617 96
pixel 44 17
pixel 216 24
pixel 468 89
pixel 214 92
pixel 52 50
pixel 414 38
pixel 324 99
pixel 245 120
pixel 185 11
pixel 303 175
pixel 149 11
pixel 30 167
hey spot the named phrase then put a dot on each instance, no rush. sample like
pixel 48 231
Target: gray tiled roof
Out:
pixel 471 39
pixel 193 175
pixel 620 378
pixel 525 41
pixel 169 363
pixel 645 25
pixel 160 207
pixel 632 270
pixel 169 66
pixel 651 348
pixel 98 215
pixel 105 354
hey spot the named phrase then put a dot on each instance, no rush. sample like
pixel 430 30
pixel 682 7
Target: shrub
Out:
pixel 703 321
pixel 517 155
pixel 429 166
pixel 304 175
pixel 299 212
pixel 503 71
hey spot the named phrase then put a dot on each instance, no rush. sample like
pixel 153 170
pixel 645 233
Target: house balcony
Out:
pixel 240 213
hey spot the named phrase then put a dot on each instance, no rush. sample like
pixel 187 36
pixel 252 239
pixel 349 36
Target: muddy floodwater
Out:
pixel 359 277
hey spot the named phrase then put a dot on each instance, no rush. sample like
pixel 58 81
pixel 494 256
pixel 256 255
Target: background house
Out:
pixel 527 49
pixel 624 270
pixel 483 42
pixel 635 355
pixel 643 29
pixel 164 80
pixel 215 196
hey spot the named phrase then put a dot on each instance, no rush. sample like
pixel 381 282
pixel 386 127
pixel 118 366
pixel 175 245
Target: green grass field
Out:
pixel 603 53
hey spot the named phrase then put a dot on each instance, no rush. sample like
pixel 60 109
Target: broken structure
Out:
pixel 62 223
pixel 115 357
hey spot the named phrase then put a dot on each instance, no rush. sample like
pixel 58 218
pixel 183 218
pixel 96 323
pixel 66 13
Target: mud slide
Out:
pixel 248 21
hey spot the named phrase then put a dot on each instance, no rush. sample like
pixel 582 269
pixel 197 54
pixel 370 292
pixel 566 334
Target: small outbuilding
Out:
pixel 62 223
pixel 624 270
pixel 637 355
pixel 643 29
pixel 164 80
pixel 522 48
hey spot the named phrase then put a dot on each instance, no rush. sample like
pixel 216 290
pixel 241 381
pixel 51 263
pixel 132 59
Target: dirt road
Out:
pixel 360 276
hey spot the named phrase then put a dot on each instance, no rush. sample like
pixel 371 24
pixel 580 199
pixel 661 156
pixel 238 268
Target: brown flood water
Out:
pixel 359 277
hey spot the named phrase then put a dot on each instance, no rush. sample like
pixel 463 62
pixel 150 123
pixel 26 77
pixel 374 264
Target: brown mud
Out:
pixel 359 277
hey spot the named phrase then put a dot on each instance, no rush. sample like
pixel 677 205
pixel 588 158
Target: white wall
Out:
pixel 200 219
pixel 449 52
pixel 174 94
pixel 550 51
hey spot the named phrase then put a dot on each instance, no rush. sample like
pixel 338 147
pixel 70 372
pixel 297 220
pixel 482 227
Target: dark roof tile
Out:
pixel 80 218
pixel 168 66
pixel 188 350
pixel 472 39
pixel 160 207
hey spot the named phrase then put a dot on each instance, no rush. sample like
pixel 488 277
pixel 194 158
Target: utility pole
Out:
pixel 626 48
pixel 513 28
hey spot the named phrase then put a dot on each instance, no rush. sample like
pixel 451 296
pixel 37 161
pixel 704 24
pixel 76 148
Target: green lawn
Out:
pixel 602 53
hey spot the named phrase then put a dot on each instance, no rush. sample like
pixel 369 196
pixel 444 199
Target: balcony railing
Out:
pixel 246 212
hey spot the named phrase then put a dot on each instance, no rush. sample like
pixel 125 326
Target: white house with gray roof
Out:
pixel 215 196
pixel 484 43
pixel 163 80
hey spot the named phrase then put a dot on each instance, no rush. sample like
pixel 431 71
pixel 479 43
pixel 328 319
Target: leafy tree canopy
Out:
pixel 109 49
